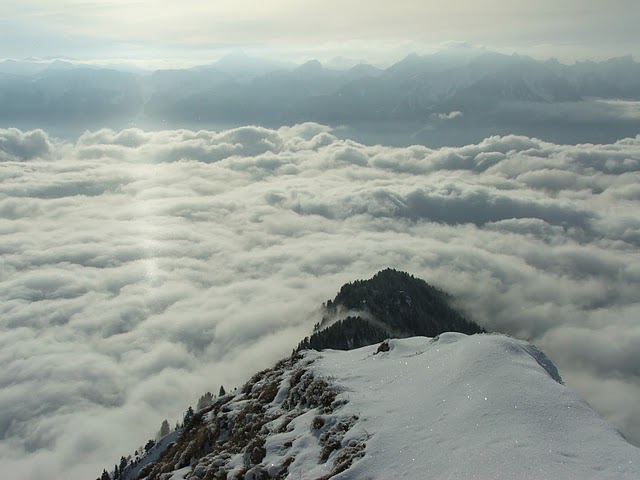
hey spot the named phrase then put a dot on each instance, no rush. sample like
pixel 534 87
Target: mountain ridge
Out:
pixel 237 91
pixel 335 414
pixel 455 406
pixel 390 304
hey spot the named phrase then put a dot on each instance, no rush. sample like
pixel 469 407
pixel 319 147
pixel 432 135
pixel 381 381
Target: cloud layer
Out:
pixel 141 269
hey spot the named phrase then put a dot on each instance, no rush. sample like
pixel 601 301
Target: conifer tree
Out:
pixel 149 445
pixel 188 416
pixel 165 429
pixel 204 401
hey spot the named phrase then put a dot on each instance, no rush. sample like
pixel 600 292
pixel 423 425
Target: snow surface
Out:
pixel 452 407
pixel 151 456
pixel 464 407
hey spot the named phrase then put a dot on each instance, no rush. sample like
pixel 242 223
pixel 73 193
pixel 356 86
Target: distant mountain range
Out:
pixel 476 88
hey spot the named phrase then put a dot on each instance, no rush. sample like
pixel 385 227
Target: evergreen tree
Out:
pixel 400 306
pixel 222 392
pixel 204 401
pixel 188 416
pixel 165 429
pixel 105 475
pixel 150 444
pixel 352 332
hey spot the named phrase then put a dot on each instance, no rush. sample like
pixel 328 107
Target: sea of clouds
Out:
pixel 140 269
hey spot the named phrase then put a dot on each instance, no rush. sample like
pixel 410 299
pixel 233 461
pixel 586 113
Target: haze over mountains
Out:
pixel 453 97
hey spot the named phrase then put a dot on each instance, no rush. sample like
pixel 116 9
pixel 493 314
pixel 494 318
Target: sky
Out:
pixel 179 33
pixel 142 269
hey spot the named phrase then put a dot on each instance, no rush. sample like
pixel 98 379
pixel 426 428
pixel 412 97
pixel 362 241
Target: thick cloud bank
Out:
pixel 141 269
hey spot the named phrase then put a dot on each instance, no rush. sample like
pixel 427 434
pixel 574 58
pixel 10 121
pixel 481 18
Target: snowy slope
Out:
pixel 151 456
pixel 454 407
pixel 477 406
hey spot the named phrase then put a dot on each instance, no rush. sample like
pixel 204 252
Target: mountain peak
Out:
pixel 455 406
pixel 391 303
pixel 312 66
pixel 451 406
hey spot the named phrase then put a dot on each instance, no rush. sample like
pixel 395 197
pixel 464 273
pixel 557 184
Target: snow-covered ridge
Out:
pixel 452 407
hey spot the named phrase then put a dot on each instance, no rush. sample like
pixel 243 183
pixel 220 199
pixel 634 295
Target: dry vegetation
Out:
pixel 241 424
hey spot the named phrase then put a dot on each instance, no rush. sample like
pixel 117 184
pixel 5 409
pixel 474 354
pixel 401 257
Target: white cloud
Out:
pixel 447 116
pixel 141 269
pixel 16 145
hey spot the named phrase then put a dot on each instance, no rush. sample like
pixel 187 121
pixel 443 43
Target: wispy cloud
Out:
pixel 447 116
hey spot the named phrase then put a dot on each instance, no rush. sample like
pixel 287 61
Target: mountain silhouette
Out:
pixel 390 304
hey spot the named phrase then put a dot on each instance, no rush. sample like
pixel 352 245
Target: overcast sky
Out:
pixel 199 30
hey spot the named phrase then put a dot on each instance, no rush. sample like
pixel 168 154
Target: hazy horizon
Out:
pixel 145 30
pixel 456 96
pixel 331 59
